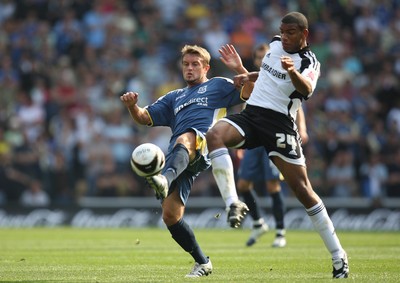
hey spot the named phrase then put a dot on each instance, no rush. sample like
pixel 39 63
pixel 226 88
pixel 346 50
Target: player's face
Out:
pixel 193 70
pixel 293 38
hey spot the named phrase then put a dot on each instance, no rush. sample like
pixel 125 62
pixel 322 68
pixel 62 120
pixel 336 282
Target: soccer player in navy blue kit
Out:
pixel 190 112
pixel 288 75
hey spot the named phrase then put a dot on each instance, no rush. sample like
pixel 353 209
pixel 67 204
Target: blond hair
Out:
pixel 197 50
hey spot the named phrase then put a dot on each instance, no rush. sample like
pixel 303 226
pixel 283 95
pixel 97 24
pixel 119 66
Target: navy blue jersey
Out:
pixel 196 107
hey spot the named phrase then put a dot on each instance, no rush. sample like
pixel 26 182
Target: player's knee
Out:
pixel 243 186
pixel 273 186
pixel 243 189
pixel 170 217
pixel 212 135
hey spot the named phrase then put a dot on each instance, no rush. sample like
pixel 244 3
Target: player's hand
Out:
pixel 287 63
pixel 230 57
pixel 129 98
pixel 241 79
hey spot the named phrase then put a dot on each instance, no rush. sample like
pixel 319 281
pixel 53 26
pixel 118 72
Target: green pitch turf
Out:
pixel 150 255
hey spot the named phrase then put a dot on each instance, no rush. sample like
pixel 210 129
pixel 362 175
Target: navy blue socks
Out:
pixel 184 236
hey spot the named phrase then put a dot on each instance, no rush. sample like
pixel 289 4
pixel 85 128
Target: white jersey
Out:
pixel 274 89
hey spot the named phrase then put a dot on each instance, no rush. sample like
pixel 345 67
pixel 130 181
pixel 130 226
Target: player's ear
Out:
pixel 305 32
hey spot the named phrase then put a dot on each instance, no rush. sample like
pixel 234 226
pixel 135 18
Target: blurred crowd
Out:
pixel 65 134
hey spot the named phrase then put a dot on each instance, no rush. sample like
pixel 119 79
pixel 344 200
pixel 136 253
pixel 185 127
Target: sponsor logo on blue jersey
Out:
pixel 203 101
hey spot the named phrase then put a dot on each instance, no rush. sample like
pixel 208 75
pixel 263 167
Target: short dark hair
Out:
pixel 296 18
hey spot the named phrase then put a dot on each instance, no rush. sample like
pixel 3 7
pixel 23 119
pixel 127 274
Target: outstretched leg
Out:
pixel 222 169
pixel 297 179
pixel 173 210
pixel 219 137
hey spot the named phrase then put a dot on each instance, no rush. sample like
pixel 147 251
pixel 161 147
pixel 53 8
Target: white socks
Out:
pixel 323 224
pixel 222 169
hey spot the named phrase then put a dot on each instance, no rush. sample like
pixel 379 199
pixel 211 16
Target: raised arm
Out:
pixel 139 114
pixel 231 59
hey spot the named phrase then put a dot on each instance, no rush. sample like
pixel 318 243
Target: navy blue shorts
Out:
pixel 256 166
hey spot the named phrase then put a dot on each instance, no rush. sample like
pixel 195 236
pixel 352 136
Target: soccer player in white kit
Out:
pixel 288 75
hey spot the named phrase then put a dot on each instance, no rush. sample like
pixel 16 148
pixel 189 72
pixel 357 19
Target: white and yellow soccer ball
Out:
pixel 147 160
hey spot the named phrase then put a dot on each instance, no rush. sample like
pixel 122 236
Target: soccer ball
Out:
pixel 147 160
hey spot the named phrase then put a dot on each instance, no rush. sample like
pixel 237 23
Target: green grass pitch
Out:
pixel 150 255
